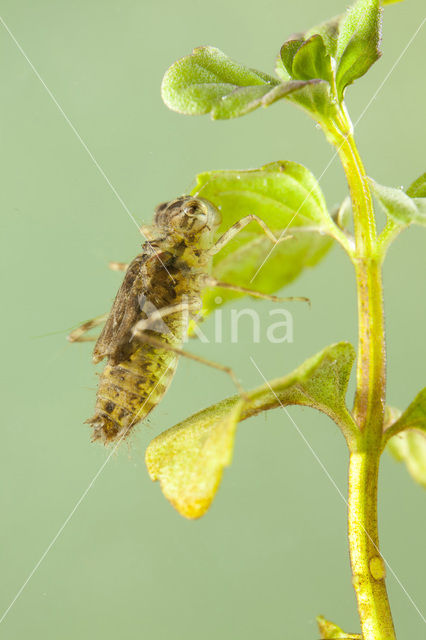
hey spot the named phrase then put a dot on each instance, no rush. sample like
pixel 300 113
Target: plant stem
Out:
pixel 367 565
pixel 368 569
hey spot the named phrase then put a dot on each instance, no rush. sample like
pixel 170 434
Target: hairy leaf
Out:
pixel 288 51
pixel 288 198
pixel 358 42
pixel 188 459
pixel 280 69
pixel 329 32
pixel 316 100
pixel 207 81
pixel 311 61
pixel 406 437
pixel 414 417
pixel 399 206
pixel 308 60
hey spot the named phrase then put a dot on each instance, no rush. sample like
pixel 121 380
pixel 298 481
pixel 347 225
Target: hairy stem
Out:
pixel 368 570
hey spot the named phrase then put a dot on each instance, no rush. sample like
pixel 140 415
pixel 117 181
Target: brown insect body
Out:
pixel 169 271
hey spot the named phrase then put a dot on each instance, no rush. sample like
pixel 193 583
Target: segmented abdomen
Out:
pixel 128 391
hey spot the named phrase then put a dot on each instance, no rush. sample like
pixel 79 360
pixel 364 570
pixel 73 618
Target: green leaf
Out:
pixel 399 206
pixel 358 42
pixel 329 32
pixel 410 447
pixel 414 417
pixel 330 631
pixel 280 69
pixel 288 51
pixel 418 188
pixel 207 81
pixel 188 459
pixel 405 435
pixel 320 382
pixel 311 60
pixel 316 100
pixel 344 213
pixel 288 198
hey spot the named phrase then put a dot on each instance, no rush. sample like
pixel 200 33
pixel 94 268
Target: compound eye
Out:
pixel 192 208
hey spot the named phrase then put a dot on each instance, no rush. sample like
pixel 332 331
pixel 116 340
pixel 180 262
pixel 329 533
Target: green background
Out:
pixel 272 552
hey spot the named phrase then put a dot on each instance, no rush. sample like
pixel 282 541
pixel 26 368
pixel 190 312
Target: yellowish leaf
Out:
pixel 188 459
pixel 330 631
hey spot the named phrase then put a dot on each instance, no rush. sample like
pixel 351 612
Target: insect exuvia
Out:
pixel 162 286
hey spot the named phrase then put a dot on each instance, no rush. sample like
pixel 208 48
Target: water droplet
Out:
pixel 317 126
pixel 218 300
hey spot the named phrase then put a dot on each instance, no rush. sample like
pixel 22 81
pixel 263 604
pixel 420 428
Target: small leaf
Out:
pixel 392 414
pixel 311 60
pixel 321 383
pixel 414 417
pixel 308 61
pixel 288 198
pixel 280 69
pixel 316 99
pixel 399 206
pixel 188 460
pixel 418 188
pixel 207 81
pixel 406 437
pixel 410 447
pixel 358 42
pixel 288 51
pixel 330 631
pixel 344 213
pixel 415 414
pixel 329 32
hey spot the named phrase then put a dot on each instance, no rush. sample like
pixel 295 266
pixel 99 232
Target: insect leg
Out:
pixel 212 282
pixel 118 266
pixel 77 334
pixel 146 231
pixel 238 226
pixel 160 314
pixel 156 342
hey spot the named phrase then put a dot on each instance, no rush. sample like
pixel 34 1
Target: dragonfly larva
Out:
pixel 144 331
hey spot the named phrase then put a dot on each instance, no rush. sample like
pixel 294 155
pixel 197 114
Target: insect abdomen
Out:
pixel 128 391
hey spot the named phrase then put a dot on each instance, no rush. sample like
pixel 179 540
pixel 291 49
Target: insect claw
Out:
pixel 284 238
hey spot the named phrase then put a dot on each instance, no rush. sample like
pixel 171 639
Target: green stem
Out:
pixel 367 566
pixel 388 235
